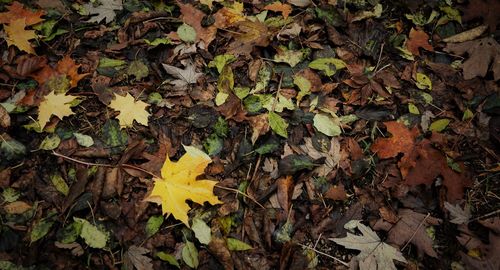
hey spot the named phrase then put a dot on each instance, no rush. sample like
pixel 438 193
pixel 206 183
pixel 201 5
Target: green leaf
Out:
pixel 304 86
pixel 155 98
pixel 225 85
pixel 158 41
pixel 423 82
pixel 59 184
pixel 168 258
pixel 138 69
pixel 11 149
pixel 468 114
pixel 252 104
pixel 186 33
pixel 237 245
pixel 263 78
pixel 83 140
pixel 241 92
pixel 413 109
pixel 70 233
pixel 439 125
pixel 221 128
pixel 93 236
pixel 114 136
pixel 202 231
pixel 326 125
pixel 269 146
pixel 50 142
pixel 153 225
pixel 278 124
pixel 41 228
pixel 190 254
pixel 221 60
pixel 328 65
pixel 10 195
pixel 213 144
pixel 111 63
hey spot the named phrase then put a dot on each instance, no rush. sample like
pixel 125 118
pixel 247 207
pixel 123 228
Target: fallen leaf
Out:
pixel 190 254
pixel 490 260
pixel 278 124
pixel 459 215
pixel 93 236
pixel 136 256
pixel 17 11
pixel 260 126
pixel 105 11
pixel 484 9
pixel 277 6
pixel 482 52
pixel 467 35
pixel 185 77
pixel 250 34
pixel 193 17
pixel 178 183
pixel 54 104
pixel 201 231
pixel 229 15
pixel 18 36
pixel 375 254
pixel 418 39
pixel 130 110
pixel 331 155
pixel 66 67
pixel 411 227
pixel 401 141
pixel 17 207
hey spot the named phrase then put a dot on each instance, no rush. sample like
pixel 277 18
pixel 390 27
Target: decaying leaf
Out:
pixel 482 52
pixel 459 215
pixel 105 11
pixel 193 17
pixel 418 39
pixel 130 110
pixel 136 256
pixel 178 183
pixel 250 34
pixel 17 11
pixel 18 36
pixel 54 104
pixel 375 254
pixel 66 69
pixel 277 6
pixel 185 77
pixel 411 226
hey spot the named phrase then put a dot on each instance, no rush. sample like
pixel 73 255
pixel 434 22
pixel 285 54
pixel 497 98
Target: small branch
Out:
pixel 415 232
pixel 242 194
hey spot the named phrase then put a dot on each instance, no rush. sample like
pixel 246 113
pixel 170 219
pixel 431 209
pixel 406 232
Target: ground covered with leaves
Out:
pixel 219 134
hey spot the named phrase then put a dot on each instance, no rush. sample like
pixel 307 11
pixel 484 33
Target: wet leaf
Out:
pixel 178 183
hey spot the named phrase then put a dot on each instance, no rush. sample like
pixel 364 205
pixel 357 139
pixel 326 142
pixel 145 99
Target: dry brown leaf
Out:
pixel 490 260
pixel 65 67
pixel 401 141
pixel 250 34
pixel 484 9
pixel 193 17
pixel 260 126
pixel 418 39
pixel 410 227
pixel 482 53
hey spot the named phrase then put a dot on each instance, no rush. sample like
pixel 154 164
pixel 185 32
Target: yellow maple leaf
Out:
pixel 54 104
pixel 18 36
pixel 130 110
pixel 178 183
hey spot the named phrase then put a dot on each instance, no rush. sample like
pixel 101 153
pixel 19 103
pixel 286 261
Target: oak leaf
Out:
pixel 130 110
pixel 375 254
pixel 277 6
pixel 17 11
pixel 418 39
pixel 54 104
pixel 18 36
pixel 178 183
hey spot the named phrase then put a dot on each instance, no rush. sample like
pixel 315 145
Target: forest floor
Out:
pixel 219 134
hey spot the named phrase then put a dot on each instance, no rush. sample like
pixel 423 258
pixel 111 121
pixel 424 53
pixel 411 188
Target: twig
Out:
pixel 242 194
pixel 486 215
pixel 415 232
pixel 324 254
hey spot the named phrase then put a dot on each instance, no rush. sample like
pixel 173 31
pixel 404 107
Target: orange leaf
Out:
pixel 18 36
pixel 418 39
pixel 66 66
pixel 285 9
pixel 402 141
pixel 16 11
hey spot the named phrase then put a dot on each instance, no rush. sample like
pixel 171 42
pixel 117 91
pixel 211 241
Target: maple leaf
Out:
pixel 481 53
pixel 411 226
pixel 418 39
pixel 375 254
pixel 54 104
pixel 18 36
pixel 17 11
pixel 193 17
pixel 251 34
pixel 130 110
pixel 105 11
pixel 178 183
pixel 184 77
pixel 285 9
pixel 65 67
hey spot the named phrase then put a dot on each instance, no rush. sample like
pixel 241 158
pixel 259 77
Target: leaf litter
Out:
pixel 279 125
